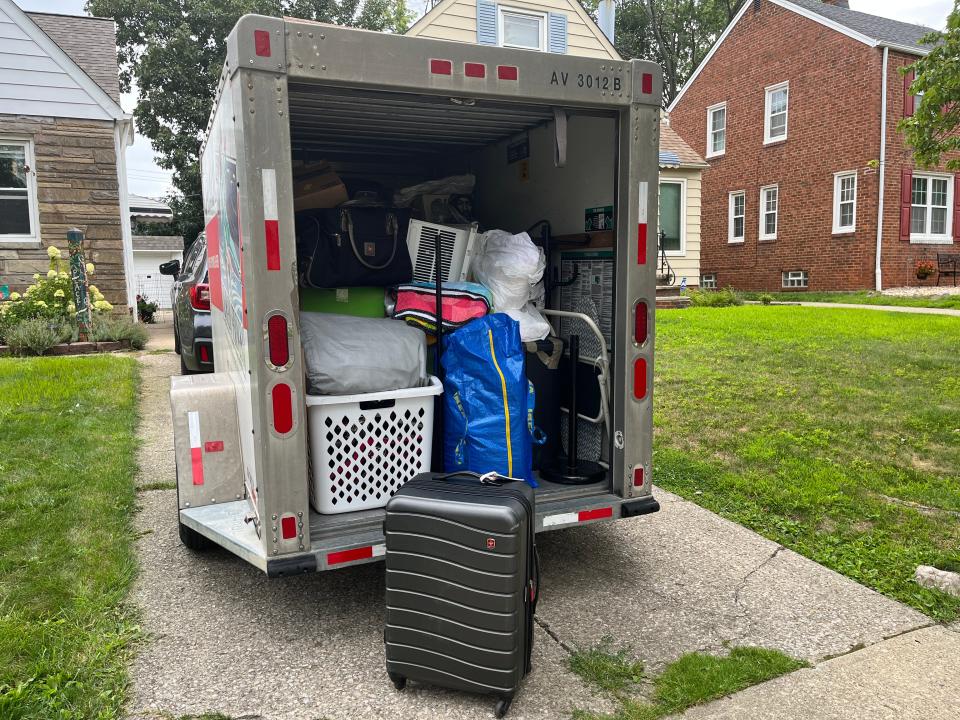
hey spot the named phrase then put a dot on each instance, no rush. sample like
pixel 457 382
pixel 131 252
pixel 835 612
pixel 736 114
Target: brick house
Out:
pixel 563 26
pixel 63 137
pixel 796 109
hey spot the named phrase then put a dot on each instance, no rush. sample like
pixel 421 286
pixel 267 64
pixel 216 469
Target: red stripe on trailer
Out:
pixel 344 556
pixel 642 244
pixel 196 465
pixel 595 514
pixel 271 230
pixel 642 200
pixel 261 42
pixel 475 70
pixel 507 72
pixel 441 67
pixel 647 83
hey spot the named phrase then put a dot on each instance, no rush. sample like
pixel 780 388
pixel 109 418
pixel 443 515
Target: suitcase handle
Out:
pixel 490 478
pixel 377 404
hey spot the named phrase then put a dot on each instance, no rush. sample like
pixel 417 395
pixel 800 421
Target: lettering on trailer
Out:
pixel 569 518
pixel 196 451
pixel 600 82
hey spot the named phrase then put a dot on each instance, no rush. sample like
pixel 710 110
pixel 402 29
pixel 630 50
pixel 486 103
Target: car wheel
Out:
pixel 184 370
pixel 194 540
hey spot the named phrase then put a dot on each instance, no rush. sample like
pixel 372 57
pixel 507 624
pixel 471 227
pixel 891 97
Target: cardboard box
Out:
pixel 317 186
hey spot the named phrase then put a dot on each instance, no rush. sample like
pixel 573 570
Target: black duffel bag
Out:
pixel 353 246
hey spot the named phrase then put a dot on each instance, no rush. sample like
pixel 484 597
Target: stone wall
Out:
pixel 77 186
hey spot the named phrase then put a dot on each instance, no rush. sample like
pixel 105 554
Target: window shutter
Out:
pixel 909 100
pixel 906 200
pixel 956 207
pixel 486 22
pixel 557 33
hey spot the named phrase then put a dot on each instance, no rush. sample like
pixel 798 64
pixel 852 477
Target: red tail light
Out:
pixel 640 378
pixel 277 343
pixel 282 408
pixel 200 296
pixel 640 323
pixel 204 353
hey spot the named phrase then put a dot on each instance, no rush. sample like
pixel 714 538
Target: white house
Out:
pixel 564 27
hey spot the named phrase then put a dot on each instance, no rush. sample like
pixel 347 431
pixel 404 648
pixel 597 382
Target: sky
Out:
pixel 145 178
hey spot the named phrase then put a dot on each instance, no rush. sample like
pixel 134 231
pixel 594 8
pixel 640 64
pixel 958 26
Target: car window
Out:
pixel 196 252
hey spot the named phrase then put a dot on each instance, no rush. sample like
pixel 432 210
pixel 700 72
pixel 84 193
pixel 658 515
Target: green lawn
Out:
pixel 66 543
pixel 861 298
pixel 808 425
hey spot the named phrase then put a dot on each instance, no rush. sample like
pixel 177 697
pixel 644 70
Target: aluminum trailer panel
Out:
pixel 275 69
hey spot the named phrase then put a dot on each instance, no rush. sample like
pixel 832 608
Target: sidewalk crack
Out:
pixel 746 578
pixel 549 631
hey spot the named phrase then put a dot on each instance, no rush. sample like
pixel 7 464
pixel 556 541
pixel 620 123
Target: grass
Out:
pixel 610 670
pixel 862 297
pixel 66 557
pixel 694 679
pixel 808 425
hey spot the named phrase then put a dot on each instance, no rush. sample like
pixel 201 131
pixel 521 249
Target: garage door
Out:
pixel 150 283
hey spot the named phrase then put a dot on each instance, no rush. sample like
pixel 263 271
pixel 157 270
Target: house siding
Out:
pixel 688 265
pixel 77 186
pixel 458 22
pixel 833 126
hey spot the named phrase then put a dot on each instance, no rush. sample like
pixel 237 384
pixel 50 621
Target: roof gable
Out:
pixel 38 78
pixel 870 30
pixel 572 7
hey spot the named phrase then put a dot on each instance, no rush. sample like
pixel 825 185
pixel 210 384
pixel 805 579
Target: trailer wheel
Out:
pixel 194 540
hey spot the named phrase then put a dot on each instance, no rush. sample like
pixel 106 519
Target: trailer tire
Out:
pixel 194 540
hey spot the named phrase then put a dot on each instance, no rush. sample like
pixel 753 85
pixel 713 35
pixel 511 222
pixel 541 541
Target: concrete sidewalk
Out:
pixel 910 677
pixel 887 308
pixel 223 637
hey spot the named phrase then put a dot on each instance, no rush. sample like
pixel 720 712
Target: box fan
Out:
pixel 456 250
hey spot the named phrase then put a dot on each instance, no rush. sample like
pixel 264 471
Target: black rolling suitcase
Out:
pixel 462 583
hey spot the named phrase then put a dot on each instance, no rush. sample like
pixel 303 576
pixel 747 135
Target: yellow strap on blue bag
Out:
pixel 506 403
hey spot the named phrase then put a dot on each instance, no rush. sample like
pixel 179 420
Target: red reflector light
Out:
pixel 640 378
pixel 288 527
pixel 277 344
pixel 441 67
pixel 597 514
pixel 640 323
pixel 204 353
pixel 261 42
pixel 200 296
pixel 361 553
pixel 282 398
pixel 475 70
pixel 647 82
pixel 638 476
pixel 507 72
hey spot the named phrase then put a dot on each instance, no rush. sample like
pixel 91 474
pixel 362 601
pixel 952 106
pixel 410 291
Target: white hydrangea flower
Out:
pixel 51 274
pixel 14 296
pixel 53 252
pixel 58 293
pixel 90 268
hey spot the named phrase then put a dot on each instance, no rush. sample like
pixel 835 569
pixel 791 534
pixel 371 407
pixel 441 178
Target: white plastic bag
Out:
pixel 511 267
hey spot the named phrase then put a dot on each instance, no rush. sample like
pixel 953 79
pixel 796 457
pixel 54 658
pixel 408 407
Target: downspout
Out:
pixel 122 139
pixel 878 271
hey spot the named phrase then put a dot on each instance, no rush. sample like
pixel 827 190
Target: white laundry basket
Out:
pixel 364 447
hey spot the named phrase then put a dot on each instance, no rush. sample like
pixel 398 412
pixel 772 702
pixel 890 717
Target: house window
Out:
pixel 775 114
pixel 716 130
pixel 737 216
pixel 931 200
pixel 522 29
pixel 795 279
pixel 18 192
pixel 769 209
pixel 708 282
pixel 844 202
pixel 671 216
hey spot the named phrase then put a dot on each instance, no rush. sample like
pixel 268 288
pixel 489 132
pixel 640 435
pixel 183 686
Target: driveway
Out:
pixel 225 638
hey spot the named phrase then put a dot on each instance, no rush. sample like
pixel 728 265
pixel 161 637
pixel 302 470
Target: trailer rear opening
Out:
pixel 392 112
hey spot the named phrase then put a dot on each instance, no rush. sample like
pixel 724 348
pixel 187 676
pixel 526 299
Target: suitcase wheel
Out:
pixel 502 706
pixel 399 681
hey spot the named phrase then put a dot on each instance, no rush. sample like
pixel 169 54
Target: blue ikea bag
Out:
pixel 488 401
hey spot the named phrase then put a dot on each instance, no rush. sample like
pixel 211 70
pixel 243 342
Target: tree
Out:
pixel 172 52
pixel 676 34
pixel 933 128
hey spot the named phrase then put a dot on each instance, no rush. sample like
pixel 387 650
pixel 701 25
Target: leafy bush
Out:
pixel 766 299
pixel 715 298
pixel 33 337
pixel 49 298
pixel 145 309
pixel 118 329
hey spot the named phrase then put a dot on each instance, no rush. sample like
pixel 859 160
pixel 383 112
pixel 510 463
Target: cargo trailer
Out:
pixel 547 137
